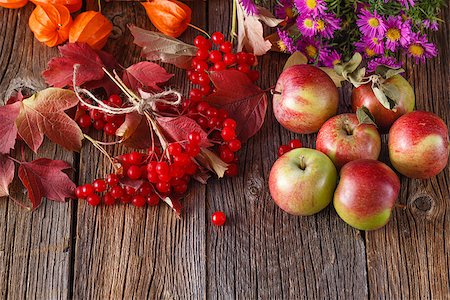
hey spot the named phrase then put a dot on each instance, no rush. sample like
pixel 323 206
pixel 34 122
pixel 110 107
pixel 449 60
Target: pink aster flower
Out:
pixel 249 7
pixel 434 26
pixel 310 7
pixel 384 60
pixel 420 48
pixel 364 47
pixel 306 25
pixel 329 58
pixel 371 24
pixel 397 33
pixel 406 3
pixel 286 43
pixel 327 24
pixel 284 8
pixel 310 47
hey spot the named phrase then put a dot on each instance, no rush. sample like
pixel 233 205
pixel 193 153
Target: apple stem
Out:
pixel 274 92
pixel 302 163
pixel 348 129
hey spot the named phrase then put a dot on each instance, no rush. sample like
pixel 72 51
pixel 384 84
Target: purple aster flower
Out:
pixel 363 46
pixel 385 60
pixel 286 43
pixel 310 7
pixel 283 9
pixel 329 58
pixel 371 24
pixel 406 3
pixel 327 24
pixel 420 48
pixel 397 33
pixel 376 44
pixel 426 23
pixel 434 26
pixel 306 25
pixel 310 47
pixel 249 7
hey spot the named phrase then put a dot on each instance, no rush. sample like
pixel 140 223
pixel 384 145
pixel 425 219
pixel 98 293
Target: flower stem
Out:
pixel 199 29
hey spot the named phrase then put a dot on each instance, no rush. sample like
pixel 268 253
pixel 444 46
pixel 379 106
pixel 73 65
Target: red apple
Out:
pixel 384 118
pixel 419 144
pixel 302 181
pixel 305 98
pixel 343 139
pixel 366 194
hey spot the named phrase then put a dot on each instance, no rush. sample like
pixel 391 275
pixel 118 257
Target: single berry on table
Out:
pixel 218 218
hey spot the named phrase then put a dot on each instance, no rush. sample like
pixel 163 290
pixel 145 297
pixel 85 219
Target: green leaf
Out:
pixel 297 58
pixel 364 116
pixel 387 72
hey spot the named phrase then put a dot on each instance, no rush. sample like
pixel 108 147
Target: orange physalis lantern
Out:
pixel 50 24
pixel 171 17
pixel 91 27
pixel 13 3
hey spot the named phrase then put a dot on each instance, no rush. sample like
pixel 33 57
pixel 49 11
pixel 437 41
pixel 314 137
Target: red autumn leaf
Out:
pixel 43 113
pixel 59 71
pixel 106 83
pixel 175 204
pixel 145 74
pixel 43 177
pixel 135 131
pixel 8 128
pixel 6 175
pixel 178 129
pixel 244 101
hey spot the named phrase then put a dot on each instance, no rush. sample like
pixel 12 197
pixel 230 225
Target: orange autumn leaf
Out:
pixel 72 5
pixel 171 17
pixel 92 28
pixel 43 114
pixel 50 24
pixel 13 3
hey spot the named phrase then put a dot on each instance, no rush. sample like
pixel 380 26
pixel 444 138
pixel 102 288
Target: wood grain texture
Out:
pixel 409 258
pixel 137 253
pixel 34 246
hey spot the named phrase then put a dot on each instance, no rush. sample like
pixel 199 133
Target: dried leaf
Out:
pixel 145 74
pixel 381 97
pixel 178 129
pixel 251 33
pixel 364 116
pixel 349 67
pixel 44 178
pixel 356 76
pixel 8 127
pixel 175 204
pixel 296 58
pixel 6 175
pixel 392 94
pixel 214 162
pixel 43 113
pixel 135 131
pixel 157 46
pixel 245 102
pixel 337 79
pixel 267 17
pixel 387 71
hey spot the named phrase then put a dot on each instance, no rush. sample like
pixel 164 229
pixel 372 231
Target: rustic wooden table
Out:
pixel 75 251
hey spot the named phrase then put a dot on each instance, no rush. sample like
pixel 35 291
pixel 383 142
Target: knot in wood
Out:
pixel 423 204
pixel 255 185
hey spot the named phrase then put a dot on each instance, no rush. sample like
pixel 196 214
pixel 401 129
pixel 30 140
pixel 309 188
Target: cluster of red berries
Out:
pixel 293 144
pixel 218 59
pixel 99 120
pixel 162 175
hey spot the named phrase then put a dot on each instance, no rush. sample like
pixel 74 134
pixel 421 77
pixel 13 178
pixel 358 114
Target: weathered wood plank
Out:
pixel 410 257
pixel 34 246
pixel 138 253
pixel 263 252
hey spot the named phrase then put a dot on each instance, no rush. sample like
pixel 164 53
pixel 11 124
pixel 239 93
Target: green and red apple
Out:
pixel 305 97
pixel 366 194
pixel 419 145
pixel 384 118
pixel 302 181
pixel 344 139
